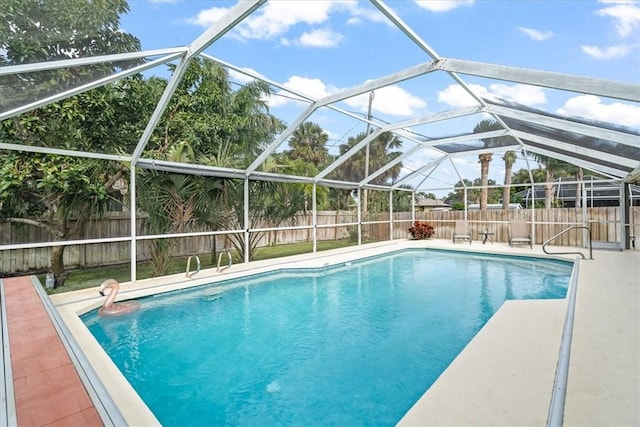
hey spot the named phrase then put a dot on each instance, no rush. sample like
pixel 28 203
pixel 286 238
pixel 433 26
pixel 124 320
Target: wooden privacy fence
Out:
pixel 331 225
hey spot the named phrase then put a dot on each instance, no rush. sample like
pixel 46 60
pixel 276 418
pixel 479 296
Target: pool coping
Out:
pixel 505 323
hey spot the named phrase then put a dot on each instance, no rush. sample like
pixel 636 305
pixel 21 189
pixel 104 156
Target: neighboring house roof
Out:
pixel 564 188
pixel 424 202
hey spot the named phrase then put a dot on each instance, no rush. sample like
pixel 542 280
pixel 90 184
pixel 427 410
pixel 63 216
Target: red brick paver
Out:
pixel 48 390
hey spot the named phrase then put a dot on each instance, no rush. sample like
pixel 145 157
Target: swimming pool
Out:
pixel 353 344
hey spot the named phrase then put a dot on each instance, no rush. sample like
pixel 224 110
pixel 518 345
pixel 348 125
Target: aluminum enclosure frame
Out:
pixel 610 164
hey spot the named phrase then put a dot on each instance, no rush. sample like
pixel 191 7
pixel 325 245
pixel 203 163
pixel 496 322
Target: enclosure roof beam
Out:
pixel 234 16
pixel 614 173
pixel 594 154
pixel 398 22
pixel 79 62
pixel 275 177
pixel 340 160
pixel 218 172
pixel 257 76
pixel 573 83
pixel 405 74
pixel 334 183
pixel 466 137
pixel 419 185
pixel 391 164
pixel 633 176
pixel 190 168
pixel 402 26
pixel 430 144
pixel 88 86
pixel 223 25
pixel 435 117
pixel 492 150
pixel 60 152
pixel 431 165
pixel 567 125
pixel 281 138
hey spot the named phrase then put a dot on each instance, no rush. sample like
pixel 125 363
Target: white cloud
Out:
pixel 591 107
pixel 311 87
pixel 320 38
pixel 535 34
pixel 455 96
pixel 243 78
pixel 443 5
pixel 391 100
pixel 611 52
pixel 625 15
pixel 276 18
pixel 206 17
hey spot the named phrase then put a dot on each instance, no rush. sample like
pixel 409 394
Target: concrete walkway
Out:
pixel 504 377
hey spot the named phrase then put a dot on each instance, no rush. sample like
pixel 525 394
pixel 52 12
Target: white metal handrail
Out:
pixel 192 273
pixel 220 260
pixel 544 245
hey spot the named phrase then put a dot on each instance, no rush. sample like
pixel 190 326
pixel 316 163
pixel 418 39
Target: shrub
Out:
pixel 422 230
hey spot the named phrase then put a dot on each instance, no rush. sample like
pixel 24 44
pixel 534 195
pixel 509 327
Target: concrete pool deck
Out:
pixel 503 377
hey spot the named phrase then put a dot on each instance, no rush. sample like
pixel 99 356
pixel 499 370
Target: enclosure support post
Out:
pixel 133 256
pixel 314 219
pixel 413 207
pixel 359 216
pixel 626 231
pixel 247 244
pixel 584 215
pixel 465 203
pixel 533 213
pixel 391 215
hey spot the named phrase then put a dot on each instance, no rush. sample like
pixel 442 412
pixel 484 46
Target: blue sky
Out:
pixel 320 47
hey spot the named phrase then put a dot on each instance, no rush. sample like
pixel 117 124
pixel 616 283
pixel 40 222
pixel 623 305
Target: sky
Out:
pixel 320 47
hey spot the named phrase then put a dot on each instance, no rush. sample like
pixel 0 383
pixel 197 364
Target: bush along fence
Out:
pixel 604 223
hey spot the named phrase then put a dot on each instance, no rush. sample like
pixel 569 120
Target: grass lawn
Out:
pixel 93 276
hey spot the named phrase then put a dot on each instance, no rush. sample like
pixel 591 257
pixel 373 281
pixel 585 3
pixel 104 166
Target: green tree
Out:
pixel 381 152
pixel 37 31
pixel 55 191
pixel 49 187
pixel 426 195
pixel 456 197
pixel 309 143
pixel 485 158
pixel 218 126
pixel 552 168
pixel 509 159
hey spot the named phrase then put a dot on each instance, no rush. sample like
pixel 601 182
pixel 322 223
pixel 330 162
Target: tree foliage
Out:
pixel 50 191
pixel 309 143
pixel 207 122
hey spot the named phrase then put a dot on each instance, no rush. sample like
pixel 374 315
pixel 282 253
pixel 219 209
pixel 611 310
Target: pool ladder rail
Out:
pixel 576 227
pixel 197 270
pixel 218 269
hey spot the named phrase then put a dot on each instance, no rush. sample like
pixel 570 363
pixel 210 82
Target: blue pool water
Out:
pixel 351 345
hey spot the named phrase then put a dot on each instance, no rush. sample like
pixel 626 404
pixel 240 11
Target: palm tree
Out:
pixel 308 142
pixel 380 153
pixel 509 159
pixel 485 158
pixel 579 178
pixel 552 167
